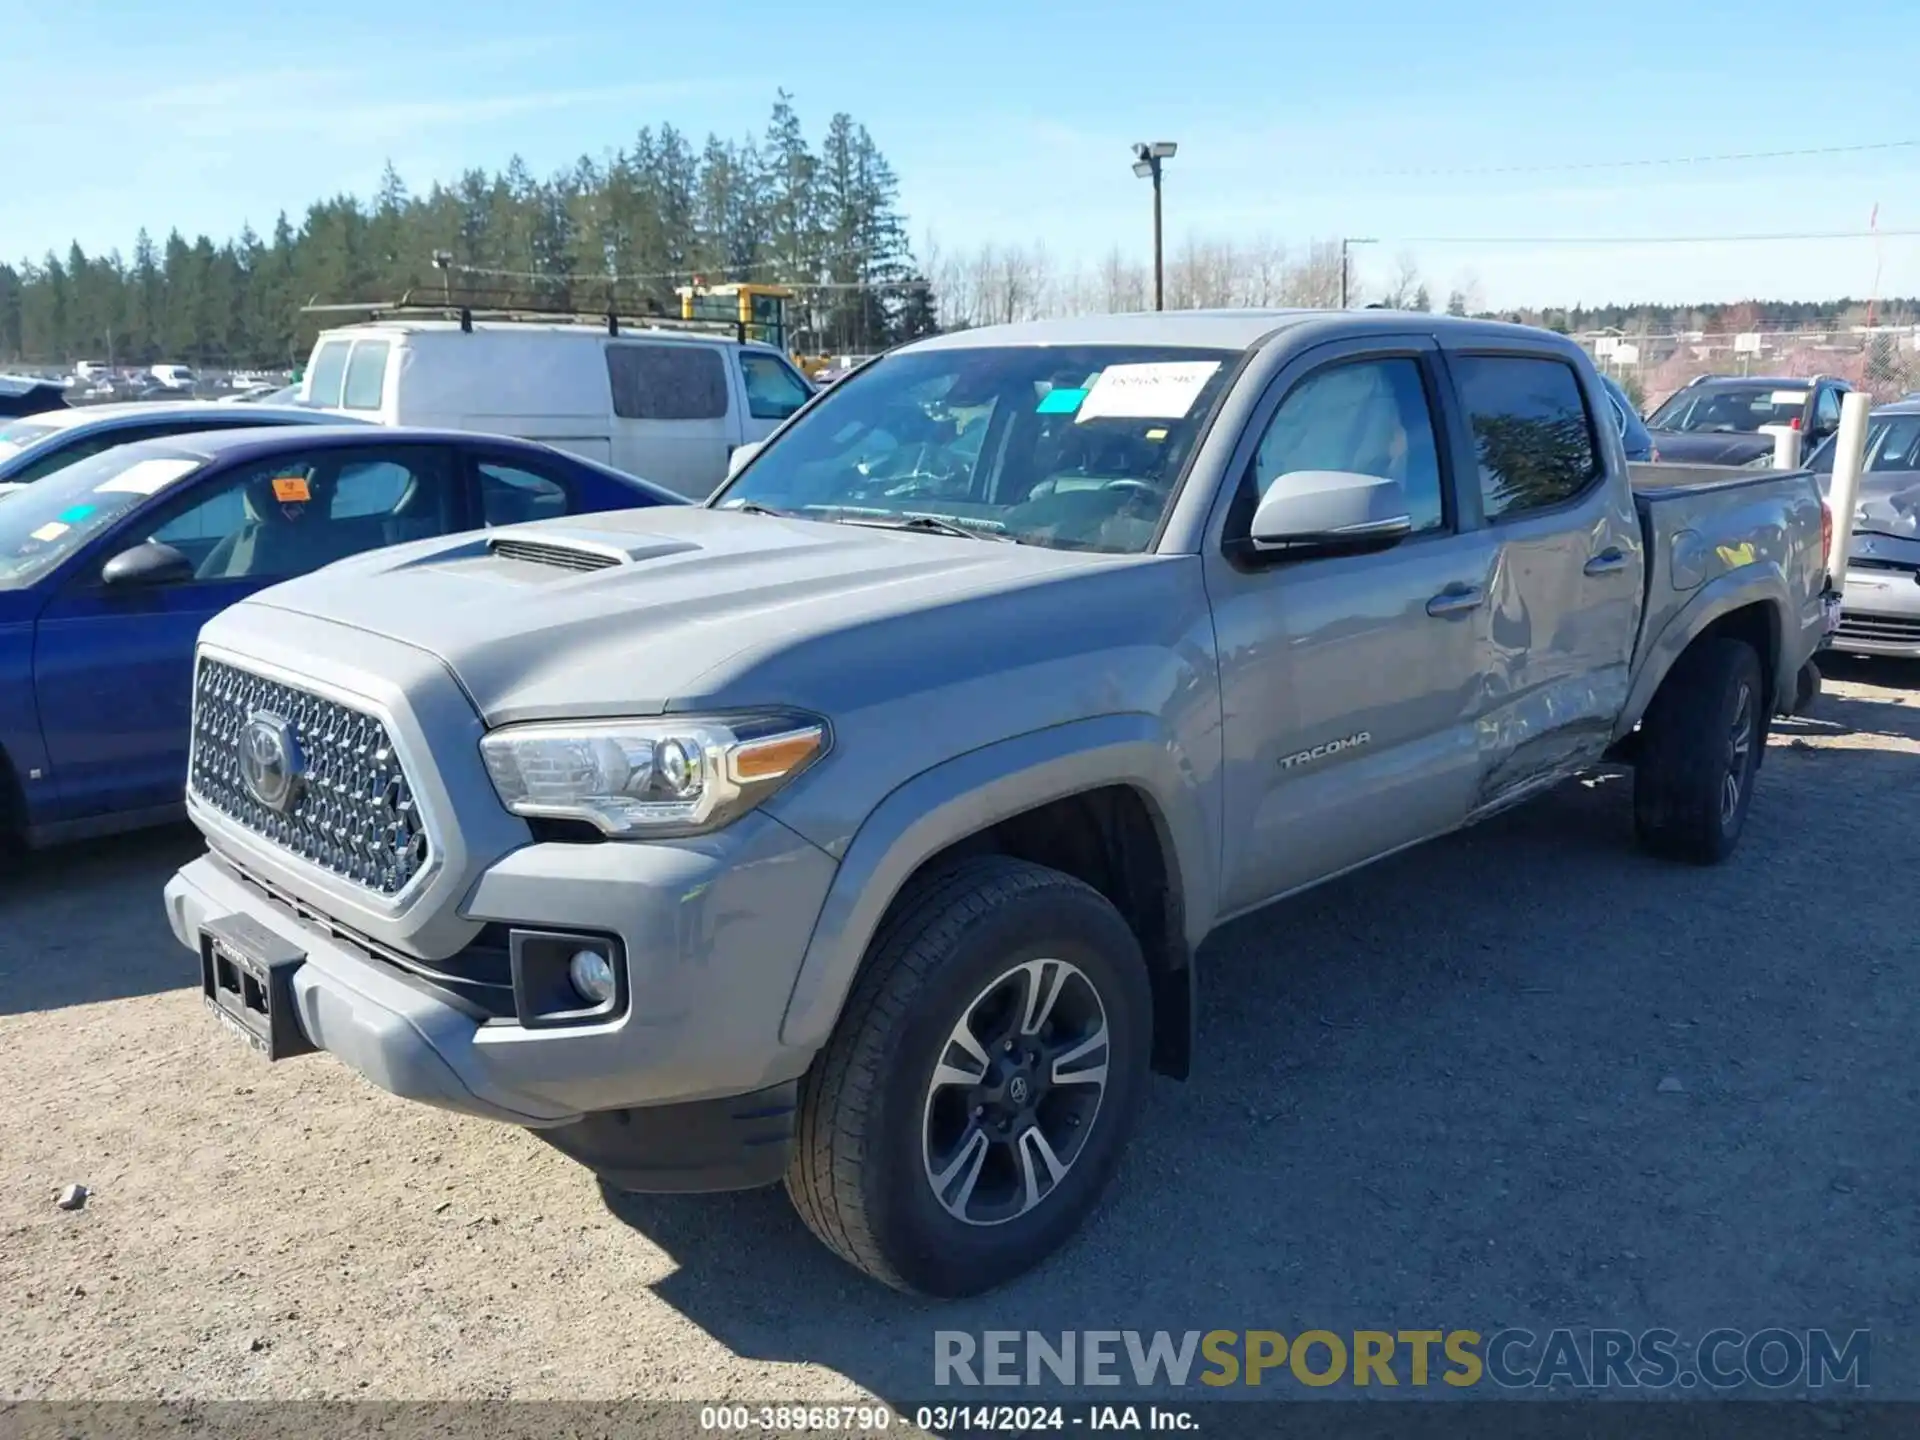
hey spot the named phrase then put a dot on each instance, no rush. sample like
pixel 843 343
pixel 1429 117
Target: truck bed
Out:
pixel 1655 480
pixel 1701 522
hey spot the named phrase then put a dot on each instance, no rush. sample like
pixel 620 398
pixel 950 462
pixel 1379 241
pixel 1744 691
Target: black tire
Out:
pixel 1691 751
pixel 1806 690
pixel 859 1175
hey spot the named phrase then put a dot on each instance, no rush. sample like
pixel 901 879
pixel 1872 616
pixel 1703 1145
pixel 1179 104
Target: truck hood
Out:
pixel 688 607
pixel 1688 447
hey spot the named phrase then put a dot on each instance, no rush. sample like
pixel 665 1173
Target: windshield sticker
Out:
pixel 1162 390
pixel 291 489
pixel 51 531
pixel 146 477
pixel 1789 397
pixel 74 514
pixel 1159 432
pixel 1060 401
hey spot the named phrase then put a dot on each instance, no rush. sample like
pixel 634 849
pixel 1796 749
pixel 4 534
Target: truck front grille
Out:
pixel 313 776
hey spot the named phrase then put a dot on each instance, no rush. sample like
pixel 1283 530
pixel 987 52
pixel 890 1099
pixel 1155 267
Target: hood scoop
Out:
pixel 581 551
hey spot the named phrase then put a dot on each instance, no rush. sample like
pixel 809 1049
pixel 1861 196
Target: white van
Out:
pixel 668 406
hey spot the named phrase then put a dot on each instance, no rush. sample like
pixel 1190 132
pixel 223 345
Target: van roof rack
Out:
pixel 468 304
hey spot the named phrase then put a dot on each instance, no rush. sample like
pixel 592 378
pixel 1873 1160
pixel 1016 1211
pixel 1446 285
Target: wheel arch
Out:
pixel 1737 606
pixel 1105 800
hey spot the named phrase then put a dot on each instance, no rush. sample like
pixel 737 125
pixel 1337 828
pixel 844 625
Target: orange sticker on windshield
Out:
pixel 291 489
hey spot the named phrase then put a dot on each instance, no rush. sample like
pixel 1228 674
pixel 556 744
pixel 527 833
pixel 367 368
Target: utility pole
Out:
pixel 1148 156
pixel 1346 241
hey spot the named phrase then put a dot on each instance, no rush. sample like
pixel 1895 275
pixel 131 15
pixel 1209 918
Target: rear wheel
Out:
pixel 1699 753
pixel 982 1082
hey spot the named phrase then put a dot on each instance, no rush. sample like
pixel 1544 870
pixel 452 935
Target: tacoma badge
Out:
pixel 1320 752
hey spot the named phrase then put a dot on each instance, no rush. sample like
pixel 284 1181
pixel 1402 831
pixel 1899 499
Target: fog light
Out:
pixel 592 975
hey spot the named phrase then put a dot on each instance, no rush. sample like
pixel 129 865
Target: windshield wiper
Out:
pixel 754 507
pixel 929 524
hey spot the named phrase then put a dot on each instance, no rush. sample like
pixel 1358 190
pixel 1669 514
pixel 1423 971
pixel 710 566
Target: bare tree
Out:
pixel 1405 286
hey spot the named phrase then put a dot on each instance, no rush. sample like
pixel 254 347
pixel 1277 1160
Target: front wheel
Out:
pixel 982 1081
pixel 1699 753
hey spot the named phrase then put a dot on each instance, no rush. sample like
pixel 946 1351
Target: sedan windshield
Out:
pixel 1073 447
pixel 43 524
pixel 1729 409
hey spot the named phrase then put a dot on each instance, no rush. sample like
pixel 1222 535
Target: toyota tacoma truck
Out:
pixel 858 829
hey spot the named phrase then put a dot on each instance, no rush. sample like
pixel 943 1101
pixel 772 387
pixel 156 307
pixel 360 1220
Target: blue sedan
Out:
pixel 110 566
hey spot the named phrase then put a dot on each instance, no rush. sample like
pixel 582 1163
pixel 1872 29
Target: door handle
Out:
pixel 1610 561
pixel 1456 600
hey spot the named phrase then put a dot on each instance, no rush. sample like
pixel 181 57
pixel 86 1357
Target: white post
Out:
pixel 1843 496
pixel 1786 446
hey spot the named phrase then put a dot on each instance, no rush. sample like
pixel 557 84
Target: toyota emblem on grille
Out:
pixel 271 765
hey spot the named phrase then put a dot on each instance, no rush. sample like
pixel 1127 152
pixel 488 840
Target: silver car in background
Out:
pixel 1880 611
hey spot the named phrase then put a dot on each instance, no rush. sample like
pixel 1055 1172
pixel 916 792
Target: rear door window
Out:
pixel 327 375
pixel 366 376
pixel 512 495
pixel 667 382
pixel 1531 428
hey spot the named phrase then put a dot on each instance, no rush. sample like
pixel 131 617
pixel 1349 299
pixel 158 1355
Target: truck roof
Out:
pixel 1214 329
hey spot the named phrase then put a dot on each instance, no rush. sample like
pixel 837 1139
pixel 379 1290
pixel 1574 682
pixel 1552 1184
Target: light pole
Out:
pixel 1345 241
pixel 1147 156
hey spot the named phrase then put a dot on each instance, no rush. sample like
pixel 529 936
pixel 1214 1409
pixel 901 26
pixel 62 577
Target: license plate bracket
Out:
pixel 246 980
pixel 1830 612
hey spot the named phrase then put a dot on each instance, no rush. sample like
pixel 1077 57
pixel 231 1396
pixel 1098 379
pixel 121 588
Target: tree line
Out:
pixel 997 283
pixel 624 229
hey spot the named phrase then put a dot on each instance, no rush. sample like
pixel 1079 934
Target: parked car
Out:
pixel 1881 604
pixel 1716 419
pixel 26 395
pixel 859 826
pixel 40 445
pixel 1634 437
pixel 174 377
pixel 667 404
pixel 109 567
pixel 265 393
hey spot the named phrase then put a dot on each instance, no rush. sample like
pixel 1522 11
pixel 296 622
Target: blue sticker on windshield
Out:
pixel 74 514
pixel 1060 402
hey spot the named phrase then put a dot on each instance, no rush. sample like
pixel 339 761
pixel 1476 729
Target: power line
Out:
pixel 1655 161
pixel 1645 239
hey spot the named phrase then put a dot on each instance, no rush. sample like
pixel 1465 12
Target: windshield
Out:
pixel 16 437
pixel 1073 447
pixel 43 524
pixel 1893 443
pixel 1729 409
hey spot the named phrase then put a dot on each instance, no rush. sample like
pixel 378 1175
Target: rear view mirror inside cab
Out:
pixel 1324 511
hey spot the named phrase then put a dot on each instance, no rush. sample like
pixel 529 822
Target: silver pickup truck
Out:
pixel 859 827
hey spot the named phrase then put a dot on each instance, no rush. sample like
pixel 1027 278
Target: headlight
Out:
pixel 644 778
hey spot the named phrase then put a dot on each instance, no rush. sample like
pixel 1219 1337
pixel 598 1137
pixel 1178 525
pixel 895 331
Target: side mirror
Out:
pixel 737 461
pixel 1331 512
pixel 148 564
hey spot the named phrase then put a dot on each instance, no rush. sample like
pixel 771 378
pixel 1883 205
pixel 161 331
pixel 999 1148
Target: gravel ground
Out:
pixel 1522 1076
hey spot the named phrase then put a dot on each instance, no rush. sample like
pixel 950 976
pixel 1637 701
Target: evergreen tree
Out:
pixel 652 216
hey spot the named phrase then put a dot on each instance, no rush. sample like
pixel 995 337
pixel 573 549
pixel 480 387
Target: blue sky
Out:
pixel 1011 122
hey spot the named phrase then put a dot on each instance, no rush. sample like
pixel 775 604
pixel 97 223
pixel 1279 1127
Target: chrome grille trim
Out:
pixel 356 816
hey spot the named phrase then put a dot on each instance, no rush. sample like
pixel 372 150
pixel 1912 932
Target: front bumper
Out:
pixel 1880 614
pixel 714 932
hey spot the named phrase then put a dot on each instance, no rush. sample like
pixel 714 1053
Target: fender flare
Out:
pixel 1721 596
pixel 967 794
